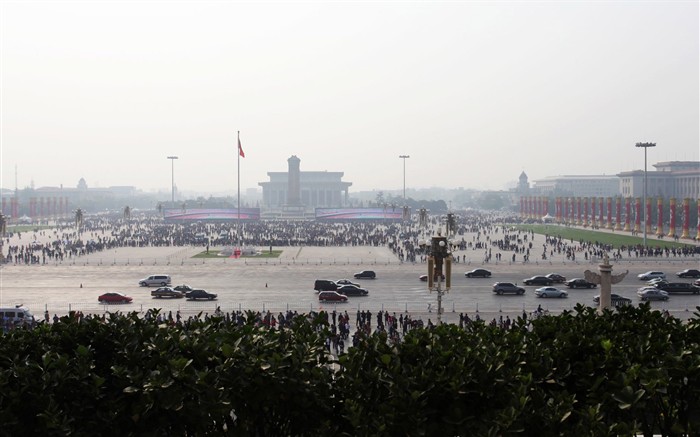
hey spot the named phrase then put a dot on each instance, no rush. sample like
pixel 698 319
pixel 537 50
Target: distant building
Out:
pixel 679 179
pixel 523 185
pixel 304 189
pixel 578 186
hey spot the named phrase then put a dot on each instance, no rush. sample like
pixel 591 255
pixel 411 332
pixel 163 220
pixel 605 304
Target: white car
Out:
pixel 652 293
pixel 655 281
pixel 646 276
pixel 550 292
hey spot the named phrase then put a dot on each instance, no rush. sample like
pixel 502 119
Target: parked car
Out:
pixel 652 293
pixel 507 287
pixel 550 292
pixel 689 273
pixel 538 280
pixel 200 294
pixel 114 297
pixel 346 282
pixel 325 285
pixel 184 288
pixel 615 299
pixel 352 290
pixel 556 278
pixel 332 296
pixel 478 273
pixel 651 274
pixel 579 283
pixel 155 281
pixel 167 292
pixel 678 287
pixel 365 274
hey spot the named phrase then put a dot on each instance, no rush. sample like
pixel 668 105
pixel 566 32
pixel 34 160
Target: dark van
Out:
pixel 325 285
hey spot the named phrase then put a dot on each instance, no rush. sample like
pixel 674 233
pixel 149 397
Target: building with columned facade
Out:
pixel 679 179
pixel 296 189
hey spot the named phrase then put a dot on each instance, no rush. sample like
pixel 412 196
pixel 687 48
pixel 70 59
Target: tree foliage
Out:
pixel 580 373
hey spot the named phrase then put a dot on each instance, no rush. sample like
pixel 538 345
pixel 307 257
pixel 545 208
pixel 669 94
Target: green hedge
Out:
pixel 620 373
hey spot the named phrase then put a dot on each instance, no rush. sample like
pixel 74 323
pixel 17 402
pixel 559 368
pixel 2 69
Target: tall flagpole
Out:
pixel 238 221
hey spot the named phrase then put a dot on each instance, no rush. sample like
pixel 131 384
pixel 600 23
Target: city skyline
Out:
pixel 475 93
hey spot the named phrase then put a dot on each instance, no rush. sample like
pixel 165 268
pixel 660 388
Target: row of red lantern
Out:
pixel 38 207
pixel 585 211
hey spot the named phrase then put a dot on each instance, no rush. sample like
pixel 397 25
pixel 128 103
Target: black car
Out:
pixel 507 287
pixel 478 273
pixel 325 285
pixel 200 294
pixel 579 283
pixel 365 274
pixel 538 280
pixel 556 277
pixel 352 290
pixel 689 273
pixel 678 287
pixel 615 300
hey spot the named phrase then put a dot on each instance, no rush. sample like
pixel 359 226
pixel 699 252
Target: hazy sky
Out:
pixel 474 92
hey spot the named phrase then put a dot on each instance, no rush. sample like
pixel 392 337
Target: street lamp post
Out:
pixel 440 255
pixel 404 176
pixel 644 197
pixel 172 184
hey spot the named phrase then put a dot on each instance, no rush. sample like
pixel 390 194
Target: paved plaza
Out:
pixel 286 282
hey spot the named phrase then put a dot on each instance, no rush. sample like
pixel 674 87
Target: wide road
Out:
pixel 287 283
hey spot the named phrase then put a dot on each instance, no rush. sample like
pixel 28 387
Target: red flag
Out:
pixel 240 149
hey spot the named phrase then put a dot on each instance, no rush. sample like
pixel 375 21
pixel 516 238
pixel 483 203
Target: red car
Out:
pixel 331 296
pixel 114 298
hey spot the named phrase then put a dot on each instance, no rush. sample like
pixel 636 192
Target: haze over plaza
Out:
pixel 474 92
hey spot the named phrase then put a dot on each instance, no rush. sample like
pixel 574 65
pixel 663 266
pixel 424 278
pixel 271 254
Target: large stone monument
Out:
pixel 605 279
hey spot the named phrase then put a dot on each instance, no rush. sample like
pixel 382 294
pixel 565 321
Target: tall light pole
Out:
pixel 644 198
pixel 404 176
pixel 172 184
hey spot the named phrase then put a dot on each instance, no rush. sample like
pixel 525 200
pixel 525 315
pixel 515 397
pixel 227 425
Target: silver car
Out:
pixel 550 292
pixel 652 293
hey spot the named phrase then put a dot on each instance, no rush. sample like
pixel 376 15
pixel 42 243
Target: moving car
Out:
pixel 200 294
pixel 579 283
pixel 652 293
pixel 550 292
pixel 651 274
pixel 678 287
pixel 478 273
pixel 332 296
pixel 346 282
pixel 615 299
pixel 325 285
pixel 167 292
pixel 155 281
pixel 556 277
pixel 352 290
pixel 17 315
pixel 114 297
pixel 689 273
pixel 424 278
pixel 538 280
pixel 507 287
pixel 184 288
pixel 365 274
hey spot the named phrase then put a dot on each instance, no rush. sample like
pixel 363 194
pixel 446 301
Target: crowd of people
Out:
pixel 483 237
